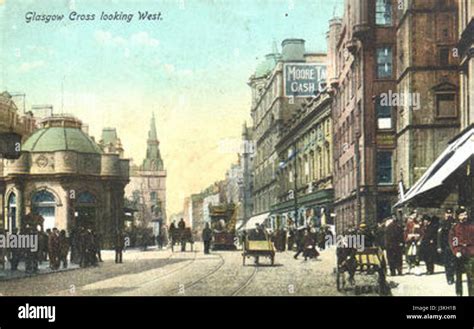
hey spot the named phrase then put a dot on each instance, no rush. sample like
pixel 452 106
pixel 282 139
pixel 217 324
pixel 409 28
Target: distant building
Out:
pixel 147 185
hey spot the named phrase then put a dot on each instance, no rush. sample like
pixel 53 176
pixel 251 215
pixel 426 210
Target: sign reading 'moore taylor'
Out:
pixel 303 79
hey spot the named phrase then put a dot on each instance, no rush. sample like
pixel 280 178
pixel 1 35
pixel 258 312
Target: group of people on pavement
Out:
pixel 82 247
pixel 52 245
pixel 448 242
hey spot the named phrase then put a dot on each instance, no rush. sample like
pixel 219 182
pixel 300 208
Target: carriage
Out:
pixel 370 261
pixel 182 237
pixel 257 249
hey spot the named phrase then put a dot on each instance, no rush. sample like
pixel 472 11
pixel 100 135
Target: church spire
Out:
pixel 152 136
pixel 153 161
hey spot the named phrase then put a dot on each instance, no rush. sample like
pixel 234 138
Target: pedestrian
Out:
pixel 181 224
pixel 207 238
pixel 172 231
pixel 81 240
pixel 98 245
pixel 428 242
pixel 91 248
pixel 75 245
pixel 300 238
pixel 443 246
pixel 42 245
pixel 53 249
pixel 309 245
pixel 63 248
pixel 291 238
pixel 31 255
pixel 394 243
pixel 412 237
pixel 119 246
pixel 461 239
pixel 15 253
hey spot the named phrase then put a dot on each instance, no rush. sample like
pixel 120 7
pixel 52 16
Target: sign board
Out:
pixel 303 79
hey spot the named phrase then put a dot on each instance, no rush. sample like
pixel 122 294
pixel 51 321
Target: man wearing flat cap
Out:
pixel 461 239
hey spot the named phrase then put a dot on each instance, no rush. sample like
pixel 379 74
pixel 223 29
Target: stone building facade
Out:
pixel 63 176
pixel 305 165
pixel 270 109
pixel 147 187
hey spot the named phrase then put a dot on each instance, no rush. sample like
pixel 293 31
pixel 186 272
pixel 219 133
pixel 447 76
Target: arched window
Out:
pixel 11 221
pixel 44 204
pixel 44 197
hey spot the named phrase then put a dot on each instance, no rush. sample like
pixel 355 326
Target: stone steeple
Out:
pixel 153 161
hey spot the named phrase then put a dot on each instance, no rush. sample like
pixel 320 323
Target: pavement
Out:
pixel 191 273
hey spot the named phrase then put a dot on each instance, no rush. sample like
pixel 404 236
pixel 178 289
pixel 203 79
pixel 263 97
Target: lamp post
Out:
pixel 295 178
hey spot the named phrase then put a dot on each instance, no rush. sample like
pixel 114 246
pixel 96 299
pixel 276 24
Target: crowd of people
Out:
pixel 82 247
pixel 427 238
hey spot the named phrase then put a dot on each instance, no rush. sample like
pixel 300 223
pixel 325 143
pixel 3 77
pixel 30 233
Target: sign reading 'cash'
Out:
pixel 303 79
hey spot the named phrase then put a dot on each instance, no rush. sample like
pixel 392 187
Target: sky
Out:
pixel 190 68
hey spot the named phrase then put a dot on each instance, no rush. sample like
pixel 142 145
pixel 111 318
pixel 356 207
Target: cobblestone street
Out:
pixel 162 273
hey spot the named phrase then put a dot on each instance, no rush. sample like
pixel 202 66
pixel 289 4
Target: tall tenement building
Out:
pixel 428 82
pixel 270 109
pixel 466 54
pixel 394 74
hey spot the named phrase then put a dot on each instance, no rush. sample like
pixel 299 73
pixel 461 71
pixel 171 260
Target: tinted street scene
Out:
pixel 235 148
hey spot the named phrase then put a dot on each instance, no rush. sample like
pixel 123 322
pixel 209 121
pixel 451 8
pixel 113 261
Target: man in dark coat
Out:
pixel 207 238
pixel 461 239
pixel 119 246
pixel 428 242
pixel 53 249
pixel 63 248
pixel 443 246
pixel 393 243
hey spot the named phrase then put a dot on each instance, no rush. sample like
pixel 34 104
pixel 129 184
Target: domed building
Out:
pixel 64 176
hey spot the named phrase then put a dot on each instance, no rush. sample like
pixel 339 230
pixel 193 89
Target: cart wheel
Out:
pixel 272 259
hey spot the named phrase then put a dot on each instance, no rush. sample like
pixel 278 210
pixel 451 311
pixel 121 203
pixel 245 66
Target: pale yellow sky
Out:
pixel 196 138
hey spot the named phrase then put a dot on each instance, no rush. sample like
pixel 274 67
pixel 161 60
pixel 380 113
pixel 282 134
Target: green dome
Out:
pixel 63 138
pixel 266 66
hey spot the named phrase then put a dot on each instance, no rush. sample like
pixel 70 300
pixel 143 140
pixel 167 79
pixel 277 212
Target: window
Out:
pixel 445 104
pixel 384 115
pixel 383 12
pixel 384 62
pixel 153 196
pixel 384 167
pixel 444 56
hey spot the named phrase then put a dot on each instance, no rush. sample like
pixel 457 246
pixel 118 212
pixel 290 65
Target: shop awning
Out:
pixel 452 158
pixel 253 221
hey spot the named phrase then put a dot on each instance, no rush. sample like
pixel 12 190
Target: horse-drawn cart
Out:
pixel 370 261
pixel 257 249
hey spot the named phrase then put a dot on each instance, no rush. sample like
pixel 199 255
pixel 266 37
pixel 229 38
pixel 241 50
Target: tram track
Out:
pixel 167 261
pixel 202 278
pixel 246 283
